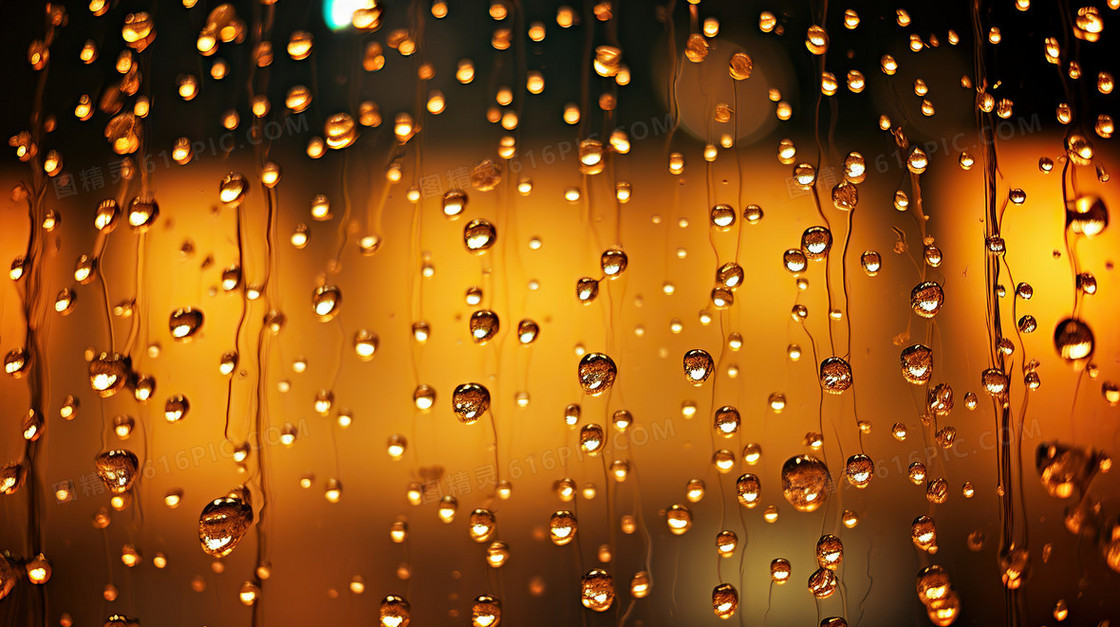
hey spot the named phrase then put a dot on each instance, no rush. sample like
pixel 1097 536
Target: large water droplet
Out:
pixel 479 236
pixel 1073 339
pixel 596 373
pixel 326 301
pixel 470 401
pixel 816 241
pixel 835 375
pixel 394 612
pixel 185 323
pixel 830 552
pixel 486 611
pixel 917 364
pixel 118 469
pixel 823 583
pixel 698 364
pixel 562 527
pixel 725 600
pixel 926 299
pixel 748 490
pixel 483 326
pixel 859 470
pixel 597 590
pixel 1065 470
pixel 679 519
pixel 224 521
pixel 108 373
pixel 805 482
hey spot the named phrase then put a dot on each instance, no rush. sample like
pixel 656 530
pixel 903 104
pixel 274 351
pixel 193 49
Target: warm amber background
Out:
pixel 316 547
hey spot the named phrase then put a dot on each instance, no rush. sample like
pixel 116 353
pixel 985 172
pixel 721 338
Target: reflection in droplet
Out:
pixel 1073 339
pixel 108 373
pixel 816 241
pixel 726 541
pixel 562 527
pixel 483 326
pixel 835 375
pixel 698 365
pixel 185 323
pixel 591 439
pixel 679 519
pixel 917 364
pixel 325 301
pixel 859 470
pixel 780 570
pixel 233 189
pixel 748 490
pixel 596 373
pixel 597 590
pixel 394 612
pixel 587 290
pixel 926 299
pixel 479 236
pixel 805 482
pixel 486 611
pixel 224 522
pixel 1065 470
pixel 725 600
pixel 470 401
pixel 613 262
pixel 117 469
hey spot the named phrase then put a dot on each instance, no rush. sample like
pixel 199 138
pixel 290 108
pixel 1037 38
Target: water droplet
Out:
pixel 926 299
pixel 340 131
pixel 587 290
pixel 1014 562
pixel 1065 470
pixel 591 439
pixel 142 212
pixel 725 600
pixel 1073 339
pixel 860 470
pixel 613 263
pixel 794 260
pixel 823 583
pixel 394 612
pixel 597 590
pixel 232 189
pixel 924 534
pixel 479 236
pixel 597 373
pixel 108 373
pixel 679 519
pixel 185 323
pixel 830 552
pixel 726 541
pixel 748 490
pixel 486 611
pixel 224 522
pixel 698 365
pixel 118 469
pixel 326 301
pixel 816 241
pixel 917 364
pixel 835 375
pixel 780 570
pixel 727 421
pixel 805 482
pixel 483 326
pixel 740 66
pixel 470 401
